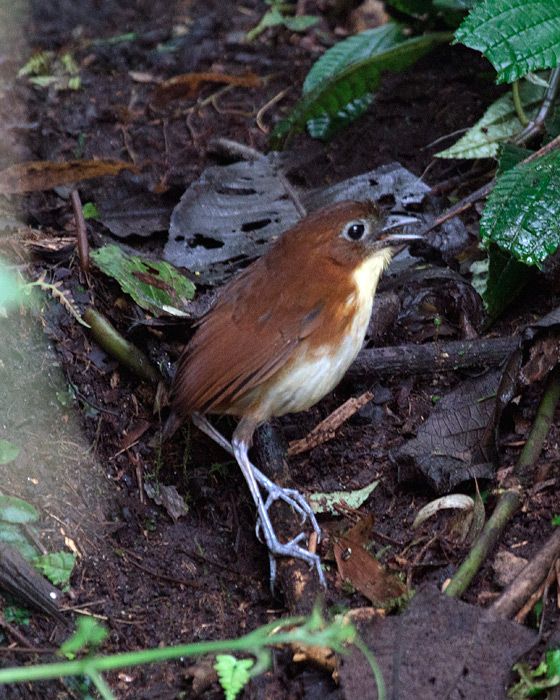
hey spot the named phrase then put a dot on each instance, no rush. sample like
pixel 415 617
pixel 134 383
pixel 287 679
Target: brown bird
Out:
pixel 280 336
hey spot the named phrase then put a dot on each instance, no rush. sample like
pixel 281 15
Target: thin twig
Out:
pixel 529 578
pixel 327 428
pixel 537 124
pixel 467 202
pixel 81 231
pixel 262 111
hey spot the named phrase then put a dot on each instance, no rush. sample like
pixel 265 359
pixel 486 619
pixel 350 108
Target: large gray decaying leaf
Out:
pixel 455 443
pixel 232 212
pixel 438 648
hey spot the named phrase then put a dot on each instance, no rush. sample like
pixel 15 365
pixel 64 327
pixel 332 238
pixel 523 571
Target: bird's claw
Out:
pixel 291 497
pixel 292 549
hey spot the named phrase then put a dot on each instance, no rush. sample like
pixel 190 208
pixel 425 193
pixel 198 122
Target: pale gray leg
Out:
pixel 275 547
pixel 254 477
pixel 202 423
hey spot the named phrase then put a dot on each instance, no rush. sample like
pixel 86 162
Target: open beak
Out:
pixel 397 220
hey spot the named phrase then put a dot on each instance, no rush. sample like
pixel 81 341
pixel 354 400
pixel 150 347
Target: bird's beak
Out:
pixel 397 220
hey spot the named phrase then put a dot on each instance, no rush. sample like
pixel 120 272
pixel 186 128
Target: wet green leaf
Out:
pixel 8 451
pixel 498 124
pixel 515 35
pixel 57 567
pixel 14 510
pixel 156 286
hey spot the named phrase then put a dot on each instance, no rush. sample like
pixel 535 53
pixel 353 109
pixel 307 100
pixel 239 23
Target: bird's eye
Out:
pixel 355 230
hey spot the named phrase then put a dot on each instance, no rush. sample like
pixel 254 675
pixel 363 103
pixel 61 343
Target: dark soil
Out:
pixel 151 580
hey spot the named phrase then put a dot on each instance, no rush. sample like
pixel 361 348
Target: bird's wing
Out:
pixel 243 340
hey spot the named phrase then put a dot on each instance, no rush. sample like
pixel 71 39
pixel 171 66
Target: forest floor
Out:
pixel 152 576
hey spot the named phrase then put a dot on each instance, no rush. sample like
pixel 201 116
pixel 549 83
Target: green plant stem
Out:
pixel 507 505
pixel 259 638
pixel 510 501
pixel 100 684
pixel 545 415
pixel 381 692
pixel 119 348
pixel 518 104
pixel 537 125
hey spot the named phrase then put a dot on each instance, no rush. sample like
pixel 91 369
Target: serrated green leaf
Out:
pixel 325 502
pixel 499 123
pixel 300 23
pixel 359 47
pixel 90 211
pixel 233 674
pixel 154 285
pixel 510 156
pixel 8 451
pixel 507 278
pixel 352 81
pixel 517 36
pixel 12 534
pixel 57 567
pixel 522 214
pixel 325 127
pixel 14 510
pixel 89 633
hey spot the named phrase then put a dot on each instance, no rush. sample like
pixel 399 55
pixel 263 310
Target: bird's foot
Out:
pixel 293 549
pixel 291 497
pixel 256 481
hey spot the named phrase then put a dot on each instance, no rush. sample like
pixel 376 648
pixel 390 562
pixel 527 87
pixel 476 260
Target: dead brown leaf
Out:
pixel 189 84
pixel 362 570
pixel 46 175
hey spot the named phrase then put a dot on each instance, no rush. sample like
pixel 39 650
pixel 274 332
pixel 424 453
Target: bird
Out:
pixel 279 337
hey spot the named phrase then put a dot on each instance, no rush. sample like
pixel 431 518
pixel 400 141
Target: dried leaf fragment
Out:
pixel 189 84
pixel 46 175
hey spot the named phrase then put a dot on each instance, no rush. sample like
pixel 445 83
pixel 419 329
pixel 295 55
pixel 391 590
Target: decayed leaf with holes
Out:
pixel 231 213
